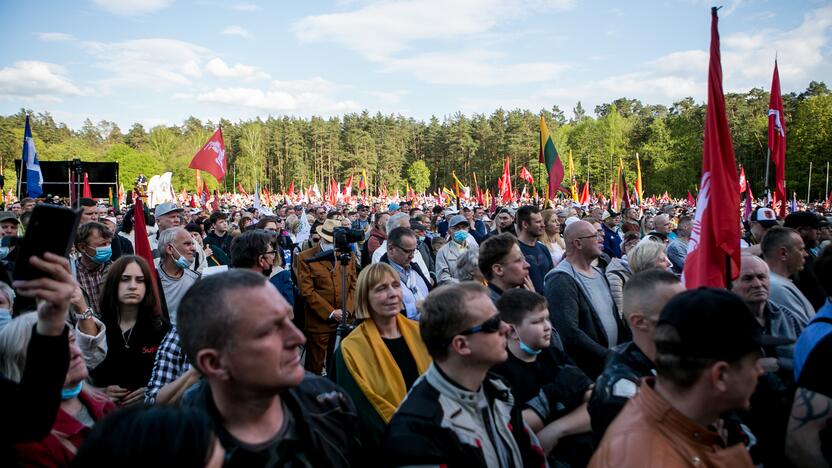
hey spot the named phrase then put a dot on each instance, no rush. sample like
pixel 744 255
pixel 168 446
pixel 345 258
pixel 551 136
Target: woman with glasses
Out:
pixel 381 359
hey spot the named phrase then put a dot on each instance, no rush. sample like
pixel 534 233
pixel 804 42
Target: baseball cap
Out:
pixel 457 219
pixel 8 216
pixel 362 207
pixel 393 207
pixel 800 219
pixel 764 216
pixel 608 214
pixel 165 208
pixel 713 324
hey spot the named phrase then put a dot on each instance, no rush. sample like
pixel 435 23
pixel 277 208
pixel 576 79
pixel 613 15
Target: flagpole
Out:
pixel 826 192
pixel 809 188
pixel 768 161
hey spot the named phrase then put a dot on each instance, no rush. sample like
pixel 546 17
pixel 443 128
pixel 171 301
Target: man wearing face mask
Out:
pixel 447 256
pixel 176 253
pixel 254 250
pixel 92 244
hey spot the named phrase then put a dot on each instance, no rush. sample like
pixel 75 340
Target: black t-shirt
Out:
pixel 130 355
pixel 540 262
pixel 552 371
pixel 404 359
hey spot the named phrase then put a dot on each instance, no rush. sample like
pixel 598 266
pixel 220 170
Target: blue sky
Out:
pixel 160 61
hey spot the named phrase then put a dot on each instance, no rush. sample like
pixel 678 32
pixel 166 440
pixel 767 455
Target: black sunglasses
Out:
pixel 491 325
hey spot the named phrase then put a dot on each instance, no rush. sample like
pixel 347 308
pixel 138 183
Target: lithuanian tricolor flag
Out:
pixel 549 157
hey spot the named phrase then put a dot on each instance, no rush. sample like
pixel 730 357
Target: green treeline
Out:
pixel 395 149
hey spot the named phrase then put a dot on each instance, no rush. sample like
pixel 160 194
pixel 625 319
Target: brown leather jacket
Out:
pixel 320 286
pixel 650 433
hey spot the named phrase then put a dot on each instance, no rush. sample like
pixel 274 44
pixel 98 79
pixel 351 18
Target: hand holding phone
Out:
pixel 51 229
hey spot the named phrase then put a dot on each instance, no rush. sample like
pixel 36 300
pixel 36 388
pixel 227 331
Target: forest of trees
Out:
pixel 395 149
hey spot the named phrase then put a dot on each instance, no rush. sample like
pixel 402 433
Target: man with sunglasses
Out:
pixel 581 305
pixel 401 249
pixel 457 414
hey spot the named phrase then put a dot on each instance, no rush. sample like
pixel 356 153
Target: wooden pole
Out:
pixel 809 188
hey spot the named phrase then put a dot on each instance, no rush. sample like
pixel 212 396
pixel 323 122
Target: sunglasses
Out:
pixel 491 325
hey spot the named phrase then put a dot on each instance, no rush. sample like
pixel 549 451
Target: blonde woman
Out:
pixel 552 238
pixel 379 361
pixel 649 253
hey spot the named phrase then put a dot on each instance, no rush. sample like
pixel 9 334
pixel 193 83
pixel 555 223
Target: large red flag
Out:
pixel 143 247
pixel 714 249
pixel 87 193
pixel 211 158
pixel 777 139
pixel 505 189
pixel 292 189
pixel 526 175
pixel 584 200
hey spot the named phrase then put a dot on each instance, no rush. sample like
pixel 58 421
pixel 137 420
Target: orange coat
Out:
pixel 320 286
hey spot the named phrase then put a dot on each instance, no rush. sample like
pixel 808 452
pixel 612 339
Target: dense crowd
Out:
pixel 398 333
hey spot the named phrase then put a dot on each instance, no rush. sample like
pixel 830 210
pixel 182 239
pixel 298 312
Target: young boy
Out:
pixel 551 388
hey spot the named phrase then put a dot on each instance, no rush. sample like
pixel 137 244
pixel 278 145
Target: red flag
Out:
pixel 143 248
pixel 777 139
pixel 526 175
pixel 87 193
pixel 584 200
pixel 241 189
pixel 691 201
pixel 714 249
pixel 211 158
pixel 292 189
pixel 742 179
pixel 505 191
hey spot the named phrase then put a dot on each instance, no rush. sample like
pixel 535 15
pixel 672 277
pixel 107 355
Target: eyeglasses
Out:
pixel 270 252
pixel 491 325
pixel 598 234
pixel 407 251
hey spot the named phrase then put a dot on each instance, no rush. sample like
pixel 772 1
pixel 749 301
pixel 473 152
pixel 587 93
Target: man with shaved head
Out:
pixel 581 306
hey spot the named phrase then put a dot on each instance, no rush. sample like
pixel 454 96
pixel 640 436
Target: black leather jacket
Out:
pixel 325 425
pixel 618 382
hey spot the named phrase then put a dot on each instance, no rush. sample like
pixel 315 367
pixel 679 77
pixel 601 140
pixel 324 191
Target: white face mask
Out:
pixel 325 245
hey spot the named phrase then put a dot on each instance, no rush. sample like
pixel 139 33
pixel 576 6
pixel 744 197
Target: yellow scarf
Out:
pixel 373 368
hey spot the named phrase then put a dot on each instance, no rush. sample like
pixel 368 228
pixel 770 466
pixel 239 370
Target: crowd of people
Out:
pixel 399 333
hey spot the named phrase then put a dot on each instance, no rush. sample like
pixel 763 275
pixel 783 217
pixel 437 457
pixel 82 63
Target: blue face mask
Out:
pixel 70 393
pixel 102 255
pixel 460 237
pixel 421 239
pixel 529 350
pixel 181 262
pixel 4 252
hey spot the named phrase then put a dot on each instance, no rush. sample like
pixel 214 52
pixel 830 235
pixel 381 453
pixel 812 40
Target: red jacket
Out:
pixel 59 447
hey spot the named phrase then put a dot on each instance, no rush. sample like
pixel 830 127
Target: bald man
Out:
pixel 581 306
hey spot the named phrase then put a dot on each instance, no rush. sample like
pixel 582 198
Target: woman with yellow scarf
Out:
pixel 379 361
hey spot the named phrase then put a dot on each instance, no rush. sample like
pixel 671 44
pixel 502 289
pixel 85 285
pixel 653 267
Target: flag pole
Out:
pixel 826 192
pixel 809 188
pixel 768 161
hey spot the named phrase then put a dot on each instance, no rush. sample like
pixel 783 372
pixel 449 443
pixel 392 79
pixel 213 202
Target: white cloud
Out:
pixel 308 97
pixel 248 7
pixel 380 29
pixel 55 36
pixel 217 67
pixel 477 68
pixel 148 63
pixel 235 30
pixel 38 81
pixel 132 7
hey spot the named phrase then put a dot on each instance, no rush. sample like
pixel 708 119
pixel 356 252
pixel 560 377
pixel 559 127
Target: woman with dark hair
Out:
pixel 134 330
pixel 381 359
pixel 148 436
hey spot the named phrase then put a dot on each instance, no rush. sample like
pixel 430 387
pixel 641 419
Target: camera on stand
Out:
pixel 344 237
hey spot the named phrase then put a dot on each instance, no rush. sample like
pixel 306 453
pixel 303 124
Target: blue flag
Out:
pixel 29 160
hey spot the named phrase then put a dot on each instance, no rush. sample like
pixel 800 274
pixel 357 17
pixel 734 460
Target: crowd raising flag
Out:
pixel 549 156
pixel 777 140
pixel 29 160
pixel 211 158
pixel 714 249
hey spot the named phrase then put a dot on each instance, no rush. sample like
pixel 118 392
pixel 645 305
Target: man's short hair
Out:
pixel 167 237
pixel 87 202
pixel 775 238
pixel 493 251
pixel 524 215
pixel 206 316
pixel 641 287
pixel 248 247
pixel 216 216
pixel 394 221
pixel 444 313
pixel 517 303
pixel 395 236
pixel 684 219
pixel 86 230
